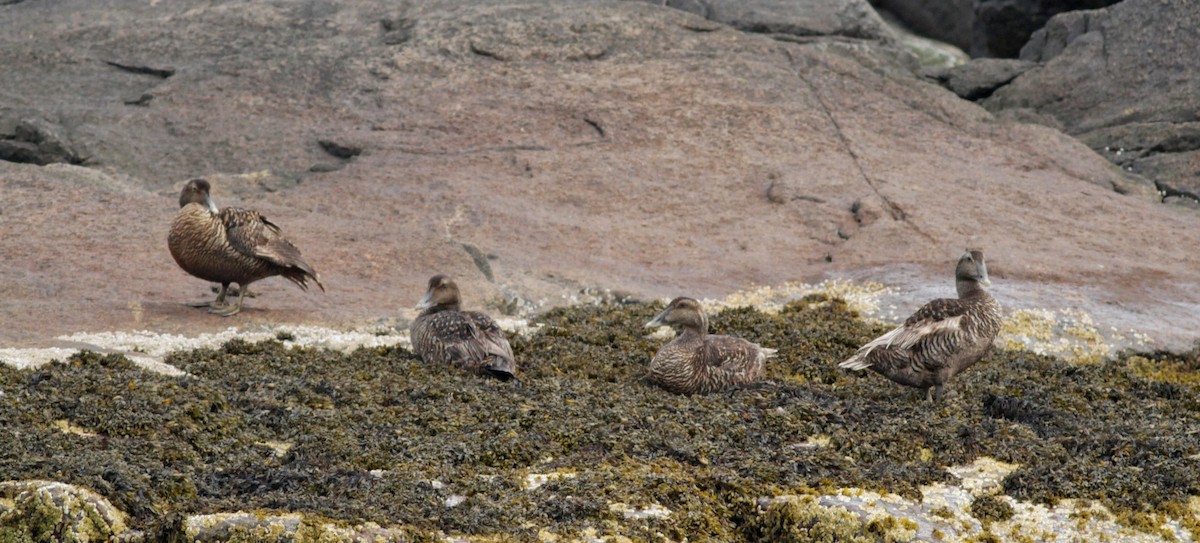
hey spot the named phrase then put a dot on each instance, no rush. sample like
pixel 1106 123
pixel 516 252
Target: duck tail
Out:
pixel 500 367
pixel 301 273
pixel 856 362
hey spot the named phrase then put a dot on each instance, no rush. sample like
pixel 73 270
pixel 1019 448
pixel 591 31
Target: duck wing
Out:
pixel 490 336
pixel 730 352
pixel 253 235
pixel 472 340
pixel 937 325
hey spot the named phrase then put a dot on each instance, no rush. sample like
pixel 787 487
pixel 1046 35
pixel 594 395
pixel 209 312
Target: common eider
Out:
pixel 231 245
pixel 697 362
pixel 443 334
pixel 943 338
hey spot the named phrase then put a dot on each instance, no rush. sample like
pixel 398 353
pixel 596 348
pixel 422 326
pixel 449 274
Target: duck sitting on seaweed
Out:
pixel 444 334
pixel 943 338
pixel 698 362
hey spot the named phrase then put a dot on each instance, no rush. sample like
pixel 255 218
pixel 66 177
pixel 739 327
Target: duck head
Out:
pixel 682 313
pixel 196 192
pixel 442 292
pixel 971 272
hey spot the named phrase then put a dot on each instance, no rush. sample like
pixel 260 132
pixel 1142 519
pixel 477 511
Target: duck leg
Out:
pixel 234 292
pixel 219 303
pixel 933 393
pixel 228 311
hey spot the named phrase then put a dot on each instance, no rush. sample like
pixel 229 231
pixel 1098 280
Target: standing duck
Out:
pixel 231 246
pixel 443 334
pixel 943 338
pixel 696 362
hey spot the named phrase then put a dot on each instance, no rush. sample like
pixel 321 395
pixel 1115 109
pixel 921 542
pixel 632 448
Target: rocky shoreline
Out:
pixel 269 442
pixel 570 163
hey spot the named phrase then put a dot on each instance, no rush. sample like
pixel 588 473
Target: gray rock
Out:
pixel 1002 27
pixel 35 140
pixel 808 18
pixel 979 78
pixel 1122 80
pixel 1059 32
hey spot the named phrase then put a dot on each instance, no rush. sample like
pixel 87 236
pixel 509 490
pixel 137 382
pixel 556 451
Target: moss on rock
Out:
pixel 47 511
pixel 991 508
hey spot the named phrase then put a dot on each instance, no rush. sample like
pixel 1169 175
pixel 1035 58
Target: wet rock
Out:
pixel 1099 82
pixel 979 78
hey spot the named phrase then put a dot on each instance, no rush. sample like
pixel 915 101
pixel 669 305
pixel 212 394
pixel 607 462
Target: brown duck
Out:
pixel 943 338
pixel 231 246
pixel 443 334
pixel 697 362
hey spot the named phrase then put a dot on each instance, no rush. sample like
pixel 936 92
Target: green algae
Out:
pixel 376 435
pixel 991 508
pixel 802 520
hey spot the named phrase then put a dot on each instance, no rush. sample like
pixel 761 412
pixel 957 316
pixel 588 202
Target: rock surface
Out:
pixel 847 18
pixel 1122 80
pixel 579 147
pixel 979 78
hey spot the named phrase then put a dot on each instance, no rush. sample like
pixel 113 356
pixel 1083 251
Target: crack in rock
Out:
pixel 161 73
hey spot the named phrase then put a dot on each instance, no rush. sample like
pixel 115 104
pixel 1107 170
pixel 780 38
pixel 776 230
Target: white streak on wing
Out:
pixel 903 337
pixel 945 326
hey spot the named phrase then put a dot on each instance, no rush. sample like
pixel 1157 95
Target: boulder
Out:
pixel 979 78
pixel 577 147
pixel 1117 79
pixel 1002 27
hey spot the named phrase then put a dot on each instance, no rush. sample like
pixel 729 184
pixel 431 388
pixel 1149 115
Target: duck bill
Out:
pixel 426 301
pixel 210 204
pixel 985 281
pixel 658 319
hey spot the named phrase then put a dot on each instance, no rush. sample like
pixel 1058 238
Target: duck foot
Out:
pixel 217 304
pixel 226 310
pixel 230 310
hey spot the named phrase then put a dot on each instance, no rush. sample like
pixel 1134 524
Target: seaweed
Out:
pixel 377 435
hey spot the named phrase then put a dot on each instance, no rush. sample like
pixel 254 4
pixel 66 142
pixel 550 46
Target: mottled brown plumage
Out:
pixel 443 334
pixel 231 245
pixel 943 338
pixel 697 362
